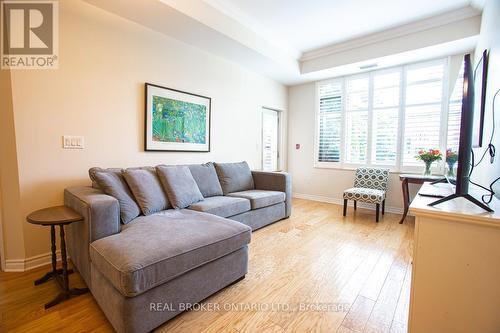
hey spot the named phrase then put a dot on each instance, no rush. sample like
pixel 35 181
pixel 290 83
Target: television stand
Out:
pixel 465 196
pixel 456 251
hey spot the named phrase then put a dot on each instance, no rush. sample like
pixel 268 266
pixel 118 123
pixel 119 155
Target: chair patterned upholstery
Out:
pixel 370 185
pixel 364 195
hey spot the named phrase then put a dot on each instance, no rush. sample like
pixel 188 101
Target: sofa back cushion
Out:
pixel 206 178
pixel 147 190
pixel 113 183
pixel 234 177
pixel 179 184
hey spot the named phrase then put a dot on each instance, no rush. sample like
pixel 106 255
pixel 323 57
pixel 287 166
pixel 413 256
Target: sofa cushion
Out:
pixel 180 185
pixel 260 198
pixel 206 178
pixel 147 190
pixel 155 249
pixel 234 177
pixel 113 183
pixel 94 170
pixel 222 206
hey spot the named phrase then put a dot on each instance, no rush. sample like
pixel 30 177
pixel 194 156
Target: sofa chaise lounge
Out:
pixel 145 261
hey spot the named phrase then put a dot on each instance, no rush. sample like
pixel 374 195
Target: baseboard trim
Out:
pixel 338 201
pixel 22 265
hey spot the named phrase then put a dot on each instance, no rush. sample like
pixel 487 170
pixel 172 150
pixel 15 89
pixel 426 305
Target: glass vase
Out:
pixel 427 171
pixel 450 170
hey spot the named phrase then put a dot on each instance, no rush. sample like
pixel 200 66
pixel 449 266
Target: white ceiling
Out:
pixel 294 41
pixel 305 25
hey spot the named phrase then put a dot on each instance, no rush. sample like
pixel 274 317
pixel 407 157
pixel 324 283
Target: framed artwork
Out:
pixel 176 120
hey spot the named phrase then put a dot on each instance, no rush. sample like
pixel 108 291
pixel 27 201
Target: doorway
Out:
pixel 270 139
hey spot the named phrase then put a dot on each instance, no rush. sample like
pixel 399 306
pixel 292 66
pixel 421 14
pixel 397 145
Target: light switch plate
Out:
pixel 73 142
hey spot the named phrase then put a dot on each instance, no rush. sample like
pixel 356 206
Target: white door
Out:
pixel 270 140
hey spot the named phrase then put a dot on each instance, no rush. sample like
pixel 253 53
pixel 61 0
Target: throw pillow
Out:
pixel 206 178
pixel 234 177
pixel 147 190
pixel 180 186
pixel 113 184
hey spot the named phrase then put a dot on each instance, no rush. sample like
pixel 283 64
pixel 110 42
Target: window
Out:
pixel 424 98
pixel 330 120
pixel 383 118
pixel 386 104
pixel 356 135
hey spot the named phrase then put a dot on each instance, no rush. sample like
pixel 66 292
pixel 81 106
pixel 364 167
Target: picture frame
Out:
pixel 176 120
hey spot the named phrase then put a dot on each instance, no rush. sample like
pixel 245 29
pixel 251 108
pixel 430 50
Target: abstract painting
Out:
pixel 176 120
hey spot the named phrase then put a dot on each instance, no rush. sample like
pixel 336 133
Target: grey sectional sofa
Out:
pixel 145 269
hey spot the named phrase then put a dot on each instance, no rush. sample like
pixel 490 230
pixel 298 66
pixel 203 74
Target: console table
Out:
pixel 413 179
pixel 455 274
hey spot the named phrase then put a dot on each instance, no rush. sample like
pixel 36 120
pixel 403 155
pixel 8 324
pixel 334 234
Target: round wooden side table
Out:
pixel 57 216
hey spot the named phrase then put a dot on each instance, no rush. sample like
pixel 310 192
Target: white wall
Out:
pixel 98 92
pixel 490 39
pixel 319 183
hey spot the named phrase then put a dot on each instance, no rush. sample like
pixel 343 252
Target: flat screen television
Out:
pixel 480 76
pixel 465 142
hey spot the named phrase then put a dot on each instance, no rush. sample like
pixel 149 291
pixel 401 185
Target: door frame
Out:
pixel 280 136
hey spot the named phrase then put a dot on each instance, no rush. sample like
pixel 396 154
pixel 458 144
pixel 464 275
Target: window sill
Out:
pixel 435 172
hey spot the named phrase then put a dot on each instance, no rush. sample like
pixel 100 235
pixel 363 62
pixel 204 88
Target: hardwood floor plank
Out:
pixel 400 320
pixel 383 312
pixel 343 329
pixel 359 314
pixel 315 258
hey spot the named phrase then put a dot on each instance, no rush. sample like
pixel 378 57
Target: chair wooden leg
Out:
pixel 345 206
pixel 383 207
pixel 355 205
pixel 377 214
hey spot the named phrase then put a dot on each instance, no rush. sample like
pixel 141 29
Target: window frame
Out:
pixel 398 167
pixel 317 163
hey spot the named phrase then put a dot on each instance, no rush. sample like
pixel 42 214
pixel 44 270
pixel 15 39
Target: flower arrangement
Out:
pixel 451 156
pixel 429 157
pixel 451 159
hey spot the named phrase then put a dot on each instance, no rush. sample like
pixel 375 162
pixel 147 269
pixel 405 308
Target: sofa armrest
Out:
pixel 100 211
pixel 275 181
pixel 101 218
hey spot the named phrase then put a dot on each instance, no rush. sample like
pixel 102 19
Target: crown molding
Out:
pixel 400 31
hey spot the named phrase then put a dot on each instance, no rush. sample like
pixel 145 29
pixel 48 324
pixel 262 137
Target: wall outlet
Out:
pixel 73 142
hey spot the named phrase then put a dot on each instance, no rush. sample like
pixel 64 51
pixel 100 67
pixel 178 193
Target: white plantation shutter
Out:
pixel 385 117
pixel 356 134
pixel 424 93
pixel 386 100
pixel 330 121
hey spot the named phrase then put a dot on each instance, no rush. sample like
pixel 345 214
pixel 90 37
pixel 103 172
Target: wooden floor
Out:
pixel 314 272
